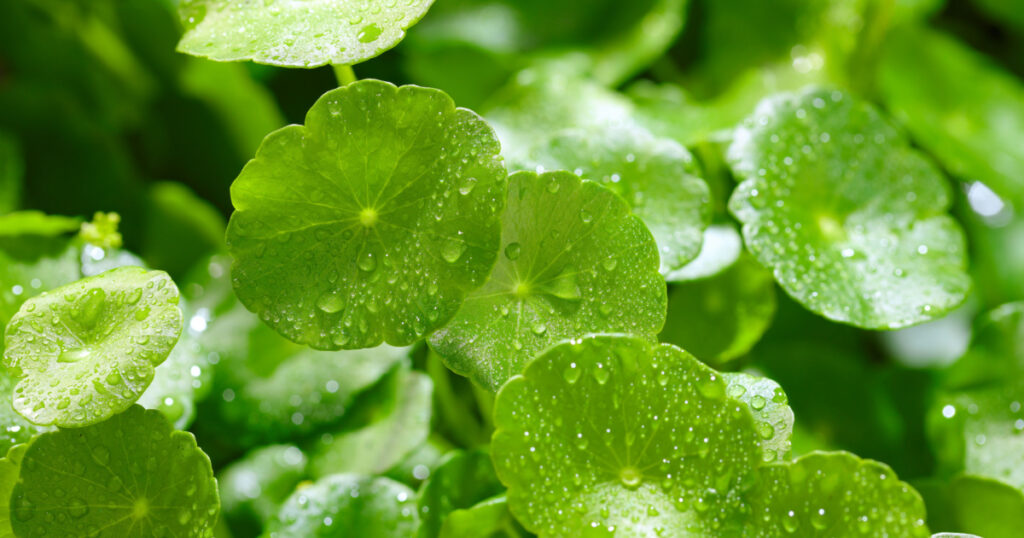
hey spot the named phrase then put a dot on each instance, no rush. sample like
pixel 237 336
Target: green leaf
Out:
pixel 836 494
pixel 721 318
pixel 31 222
pixel 370 223
pixel 280 32
pixel 253 488
pixel 384 442
pixel 773 418
pixel 131 475
pixel 460 482
pixel 86 351
pixel 977 421
pixel 981 506
pixel 657 177
pixel 486 518
pixel 975 125
pixel 612 432
pixel 348 505
pixel 719 249
pixel 277 391
pixel 574 261
pixel 10 466
pixel 871 244
pixel 548 120
pixel 15 429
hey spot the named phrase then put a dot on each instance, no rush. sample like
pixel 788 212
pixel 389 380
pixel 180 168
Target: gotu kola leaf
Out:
pixel 610 432
pixel 296 34
pixel 87 350
pixel 131 475
pixel 370 223
pixel 609 435
pixel 851 220
pixel 574 261
pixel 348 505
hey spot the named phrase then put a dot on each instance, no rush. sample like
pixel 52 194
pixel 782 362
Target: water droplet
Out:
pixel 369 33
pixel 630 477
pixel 513 250
pixel 330 302
pixel 77 508
pixel 452 250
pixel 367 262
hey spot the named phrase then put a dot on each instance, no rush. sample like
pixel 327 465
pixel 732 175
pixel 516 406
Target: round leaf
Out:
pixel 87 350
pixel 657 177
pixel 296 34
pixel 610 432
pixel 574 261
pixel 836 494
pixel 371 222
pixel 348 505
pixel 851 219
pixel 128 476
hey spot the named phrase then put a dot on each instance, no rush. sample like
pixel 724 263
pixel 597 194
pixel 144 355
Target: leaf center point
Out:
pixel 630 476
pixel 368 216
pixel 141 508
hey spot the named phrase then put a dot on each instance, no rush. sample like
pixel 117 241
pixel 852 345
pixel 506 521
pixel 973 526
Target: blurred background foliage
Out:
pixel 99 113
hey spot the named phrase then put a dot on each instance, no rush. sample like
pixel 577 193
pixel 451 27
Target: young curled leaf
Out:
pixel 86 351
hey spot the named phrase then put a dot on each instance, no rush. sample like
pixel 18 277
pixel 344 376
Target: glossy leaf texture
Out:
pixel 850 219
pixel 348 505
pixel 370 223
pixel 610 432
pixel 769 405
pixel 574 261
pixel 548 120
pixel 87 350
pixel 962 107
pixel 611 435
pixel 836 494
pixel 131 475
pixel 305 34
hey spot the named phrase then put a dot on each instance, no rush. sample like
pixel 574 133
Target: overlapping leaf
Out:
pixel 86 351
pixel 370 223
pixel 851 220
pixel 574 261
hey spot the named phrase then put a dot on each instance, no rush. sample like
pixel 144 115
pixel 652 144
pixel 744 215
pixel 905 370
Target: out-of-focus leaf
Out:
pixel 720 318
pixel 11 171
pixel 253 488
pixel 348 505
pixel 181 228
pixel 958 104
pixel 401 425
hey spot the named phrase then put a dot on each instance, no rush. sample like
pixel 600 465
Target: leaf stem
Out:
pixel 344 74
